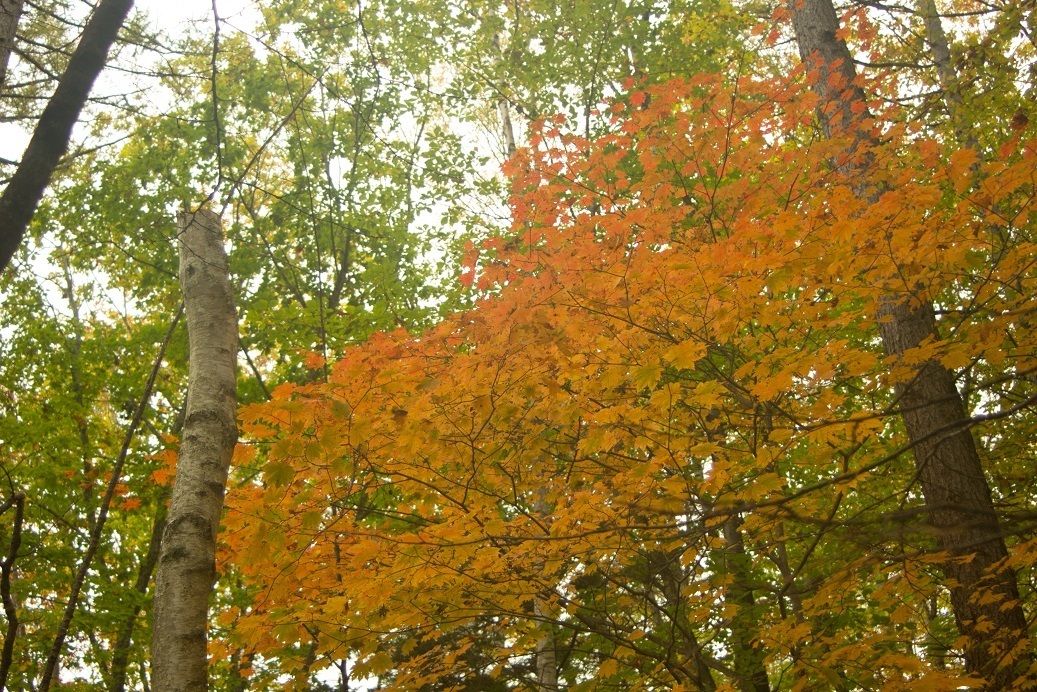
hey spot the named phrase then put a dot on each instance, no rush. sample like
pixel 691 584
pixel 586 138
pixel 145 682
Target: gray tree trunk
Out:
pixel 503 108
pixel 10 13
pixel 948 465
pixel 547 661
pixel 187 562
pixel 940 48
pixel 506 127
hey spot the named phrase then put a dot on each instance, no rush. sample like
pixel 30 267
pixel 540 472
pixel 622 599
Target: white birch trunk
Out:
pixel 509 131
pixel 547 661
pixel 187 563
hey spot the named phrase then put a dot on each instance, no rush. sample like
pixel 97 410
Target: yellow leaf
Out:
pixel 685 354
pixel 647 376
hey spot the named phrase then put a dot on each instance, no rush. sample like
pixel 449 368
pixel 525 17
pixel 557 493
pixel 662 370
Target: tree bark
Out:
pixel 187 562
pixel 984 593
pixel 54 129
pixel 506 126
pixel 10 13
pixel 940 48
pixel 503 108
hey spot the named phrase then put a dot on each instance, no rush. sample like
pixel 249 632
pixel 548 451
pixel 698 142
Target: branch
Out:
pixel 102 515
pixel 54 129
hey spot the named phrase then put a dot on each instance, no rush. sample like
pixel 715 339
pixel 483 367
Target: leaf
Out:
pixel 685 354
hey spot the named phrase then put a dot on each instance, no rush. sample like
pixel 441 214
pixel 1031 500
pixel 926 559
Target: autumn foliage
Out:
pixel 663 446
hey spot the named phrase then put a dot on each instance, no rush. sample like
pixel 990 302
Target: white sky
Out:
pixel 169 14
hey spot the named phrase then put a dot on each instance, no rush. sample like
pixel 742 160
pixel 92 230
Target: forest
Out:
pixel 518 345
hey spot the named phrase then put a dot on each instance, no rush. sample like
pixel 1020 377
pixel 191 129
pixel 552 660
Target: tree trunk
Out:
pixel 748 656
pixel 187 561
pixel 10 13
pixel 547 661
pixel 503 108
pixel 936 38
pixel 17 500
pixel 984 594
pixel 506 126
pixel 50 138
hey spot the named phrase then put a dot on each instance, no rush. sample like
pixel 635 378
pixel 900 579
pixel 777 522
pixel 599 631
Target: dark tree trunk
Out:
pixel 984 594
pixel 54 129
pixel 748 656
pixel 124 638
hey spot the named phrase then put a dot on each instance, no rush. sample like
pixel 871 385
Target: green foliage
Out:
pixel 354 150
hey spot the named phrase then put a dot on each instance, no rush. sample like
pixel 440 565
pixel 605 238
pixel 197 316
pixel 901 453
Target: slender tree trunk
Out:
pixel 124 638
pixel 187 562
pixel 10 13
pixel 509 131
pixel 17 500
pixel 748 656
pixel 547 661
pixel 984 594
pixel 50 138
pixel 546 646
pixel 694 667
pixel 940 48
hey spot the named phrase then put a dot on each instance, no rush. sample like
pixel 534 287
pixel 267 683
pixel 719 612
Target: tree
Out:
pixel 10 13
pixel 638 367
pixel 187 560
pixel 659 444
pixel 984 593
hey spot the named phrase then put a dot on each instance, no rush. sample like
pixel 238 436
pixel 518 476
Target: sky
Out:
pixel 169 14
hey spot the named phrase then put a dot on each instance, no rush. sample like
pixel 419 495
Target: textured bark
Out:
pixel 984 594
pixel 187 561
pixel 815 24
pixel 10 13
pixel 50 138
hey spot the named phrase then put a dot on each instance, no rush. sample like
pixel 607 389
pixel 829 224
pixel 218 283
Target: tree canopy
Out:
pixel 581 346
